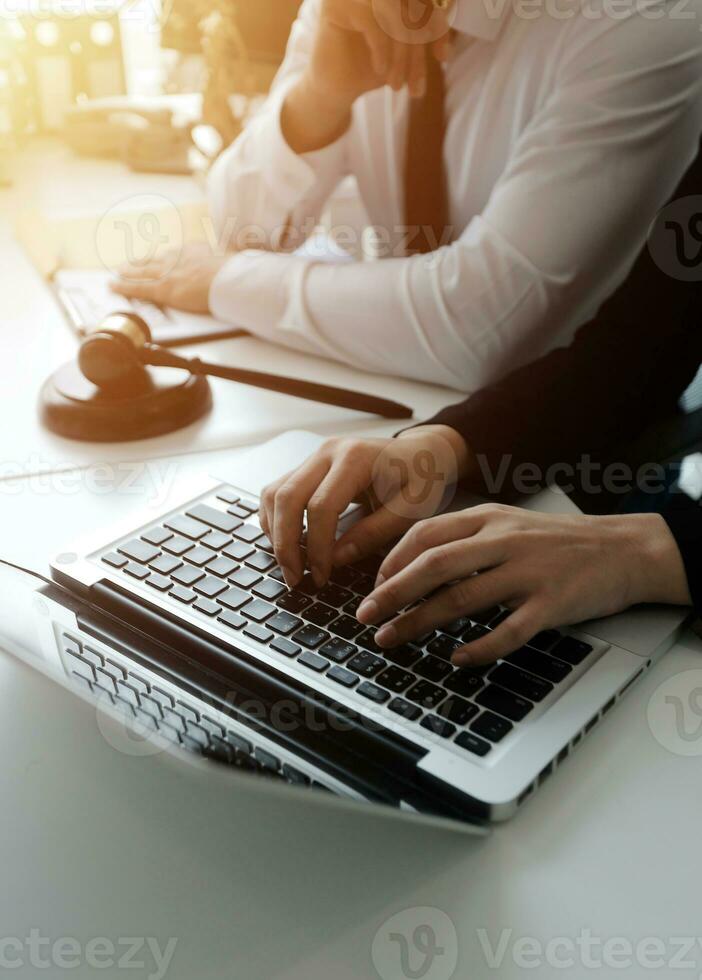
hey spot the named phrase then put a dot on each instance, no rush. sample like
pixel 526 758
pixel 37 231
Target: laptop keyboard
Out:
pixel 182 722
pixel 215 559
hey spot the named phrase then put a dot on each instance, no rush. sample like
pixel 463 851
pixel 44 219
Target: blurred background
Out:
pixel 161 85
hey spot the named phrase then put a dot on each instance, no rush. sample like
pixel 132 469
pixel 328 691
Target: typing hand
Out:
pixel 549 570
pixel 401 480
pixel 179 279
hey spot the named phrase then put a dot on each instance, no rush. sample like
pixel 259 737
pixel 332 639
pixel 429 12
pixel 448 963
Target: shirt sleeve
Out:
pixel 565 220
pixel 262 194
pixel 684 518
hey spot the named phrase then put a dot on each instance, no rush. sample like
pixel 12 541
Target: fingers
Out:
pixel 470 595
pixel 283 507
pixel 151 291
pixel 149 271
pixel 426 535
pixel 449 563
pixel 398 74
pixel 370 534
pixel 325 507
pixel 380 49
pixel 417 71
pixel 512 634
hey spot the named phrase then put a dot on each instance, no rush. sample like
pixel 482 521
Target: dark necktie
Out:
pixel 426 193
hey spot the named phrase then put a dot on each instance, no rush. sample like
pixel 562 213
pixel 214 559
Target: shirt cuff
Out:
pixel 684 518
pixel 252 290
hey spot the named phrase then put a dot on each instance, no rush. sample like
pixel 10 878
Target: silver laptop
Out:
pixel 405 727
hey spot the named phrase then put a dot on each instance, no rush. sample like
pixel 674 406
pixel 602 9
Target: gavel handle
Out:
pixel 325 394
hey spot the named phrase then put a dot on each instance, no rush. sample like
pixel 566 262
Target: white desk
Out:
pixel 610 844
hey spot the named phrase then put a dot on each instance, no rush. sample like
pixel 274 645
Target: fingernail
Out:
pixel 368 611
pixel 386 636
pixel 318 576
pixel 347 555
pixel 291 578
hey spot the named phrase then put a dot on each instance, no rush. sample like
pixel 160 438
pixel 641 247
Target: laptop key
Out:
pixel 200 556
pixel 521 682
pixel 504 703
pixel 314 662
pixel 344 577
pixel 352 606
pixel 364 585
pixel 367 641
pixel 245 578
pixel 544 641
pixel 215 518
pixel 464 681
pixel 260 561
pixel 238 551
pixel 159 582
pixel 211 587
pixel 286 647
pixel 406 710
pixel 157 536
pixel 258 610
pixel 165 564
pixel 137 571
pixel 284 623
pixel 187 575
pixel 457 628
pixel 342 676
pixel 491 727
pixel 540 664
pixel 438 726
pixel 139 551
pixel 334 595
pixel 294 602
pixel 265 544
pixel 433 669
pixel 346 627
pixel 268 589
pixel 374 693
pixel 366 664
pixel 260 633
pixel 310 637
pixel 443 647
pixel 228 496
pixel 472 743
pixel 395 679
pixel 177 546
pixel 115 560
pixel 187 527
pixel 234 599
pixel 208 608
pixel 425 694
pixel 183 595
pixel 458 710
pixel 248 533
pixel 571 650
pixel 233 620
pixel 216 540
pixel 486 616
pixel 320 615
pixel 222 567
pixel 338 650
pixel 403 656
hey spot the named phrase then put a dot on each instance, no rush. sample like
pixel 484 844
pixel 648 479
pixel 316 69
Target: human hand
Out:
pixel 361 45
pixel 181 279
pixel 549 570
pixel 402 480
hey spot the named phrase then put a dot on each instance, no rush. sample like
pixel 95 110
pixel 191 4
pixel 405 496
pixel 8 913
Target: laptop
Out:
pixel 234 666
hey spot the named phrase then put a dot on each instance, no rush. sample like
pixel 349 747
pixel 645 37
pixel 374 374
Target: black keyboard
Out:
pixel 215 559
pixel 176 718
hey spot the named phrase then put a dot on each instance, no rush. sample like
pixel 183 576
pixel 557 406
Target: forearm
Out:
pixel 310 120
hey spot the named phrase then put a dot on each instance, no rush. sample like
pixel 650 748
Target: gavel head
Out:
pixel 111 356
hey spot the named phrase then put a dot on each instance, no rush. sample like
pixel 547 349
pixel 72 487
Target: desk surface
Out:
pixel 37 339
pixel 609 844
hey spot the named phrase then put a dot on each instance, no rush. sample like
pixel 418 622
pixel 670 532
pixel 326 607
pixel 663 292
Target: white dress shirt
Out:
pixel 568 129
